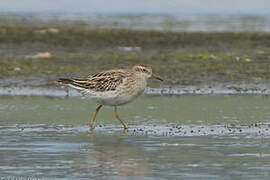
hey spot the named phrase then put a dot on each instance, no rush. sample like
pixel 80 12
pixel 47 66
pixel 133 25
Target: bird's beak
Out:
pixel 156 77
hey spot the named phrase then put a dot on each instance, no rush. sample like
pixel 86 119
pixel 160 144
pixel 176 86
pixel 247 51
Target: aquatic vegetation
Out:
pixel 179 57
pixel 72 36
pixel 177 68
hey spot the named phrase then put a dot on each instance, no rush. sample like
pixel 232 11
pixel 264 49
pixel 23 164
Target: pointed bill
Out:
pixel 156 77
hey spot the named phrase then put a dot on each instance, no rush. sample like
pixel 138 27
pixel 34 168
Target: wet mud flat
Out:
pixel 182 130
pixel 165 91
pixel 170 130
pixel 181 58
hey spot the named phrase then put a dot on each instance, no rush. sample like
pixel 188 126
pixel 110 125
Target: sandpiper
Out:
pixel 113 87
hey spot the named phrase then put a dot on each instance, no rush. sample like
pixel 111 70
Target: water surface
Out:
pixel 48 138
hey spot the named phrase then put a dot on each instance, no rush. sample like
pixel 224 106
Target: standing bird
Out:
pixel 113 87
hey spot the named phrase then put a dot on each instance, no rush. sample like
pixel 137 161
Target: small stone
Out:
pixel 17 69
pixel 42 55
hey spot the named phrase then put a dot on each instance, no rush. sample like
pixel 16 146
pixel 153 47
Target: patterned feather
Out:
pixel 99 82
pixel 114 87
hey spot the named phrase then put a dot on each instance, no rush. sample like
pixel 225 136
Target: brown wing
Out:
pixel 102 81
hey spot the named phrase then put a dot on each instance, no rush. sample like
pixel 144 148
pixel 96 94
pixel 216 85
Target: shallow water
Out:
pixel 45 137
pixel 191 21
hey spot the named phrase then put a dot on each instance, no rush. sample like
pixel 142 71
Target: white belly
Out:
pixel 116 100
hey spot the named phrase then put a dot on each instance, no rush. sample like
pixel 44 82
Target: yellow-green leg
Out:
pixel 94 117
pixel 117 117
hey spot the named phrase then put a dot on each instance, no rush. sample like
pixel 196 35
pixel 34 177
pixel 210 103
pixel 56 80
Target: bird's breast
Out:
pixel 130 89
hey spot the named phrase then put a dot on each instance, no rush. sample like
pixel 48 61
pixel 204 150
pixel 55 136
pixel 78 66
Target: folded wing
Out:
pixel 99 82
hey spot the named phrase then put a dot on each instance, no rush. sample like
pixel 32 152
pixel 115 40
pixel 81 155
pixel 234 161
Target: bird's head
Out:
pixel 145 71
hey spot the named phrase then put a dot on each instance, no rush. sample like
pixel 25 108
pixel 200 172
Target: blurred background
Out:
pixel 189 43
pixel 212 47
pixel 195 15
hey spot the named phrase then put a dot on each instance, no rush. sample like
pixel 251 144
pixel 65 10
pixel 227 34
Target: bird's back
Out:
pixel 114 87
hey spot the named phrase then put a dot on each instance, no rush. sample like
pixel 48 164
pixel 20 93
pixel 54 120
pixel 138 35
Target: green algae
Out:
pixel 73 36
pixel 175 68
pixel 180 57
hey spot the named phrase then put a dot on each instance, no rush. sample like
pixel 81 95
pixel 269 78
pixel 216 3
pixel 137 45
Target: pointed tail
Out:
pixel 80 84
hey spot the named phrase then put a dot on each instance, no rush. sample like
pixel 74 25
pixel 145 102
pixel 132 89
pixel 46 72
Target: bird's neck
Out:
pixel 142 80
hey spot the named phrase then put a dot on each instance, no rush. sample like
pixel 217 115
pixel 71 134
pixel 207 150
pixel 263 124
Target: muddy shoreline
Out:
pixel 184 90
pixel 256 130
pixel 194 62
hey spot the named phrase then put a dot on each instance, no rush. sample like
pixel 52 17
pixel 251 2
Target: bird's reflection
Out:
pixel 113 155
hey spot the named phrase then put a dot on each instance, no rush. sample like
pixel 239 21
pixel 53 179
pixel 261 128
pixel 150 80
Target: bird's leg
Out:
pixel 124 132
pixel 94 116
pixel 117 117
